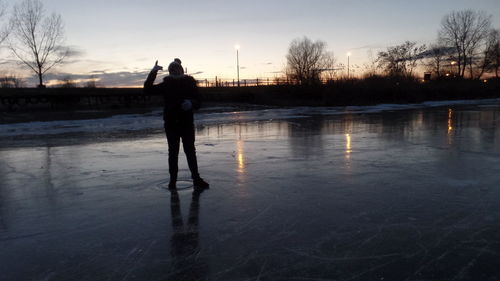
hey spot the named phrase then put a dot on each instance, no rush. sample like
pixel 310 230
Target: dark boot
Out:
pixel 172 185
pixel 199 183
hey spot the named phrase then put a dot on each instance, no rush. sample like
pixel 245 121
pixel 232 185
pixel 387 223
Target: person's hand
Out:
pixel 157 67
pixel 187 105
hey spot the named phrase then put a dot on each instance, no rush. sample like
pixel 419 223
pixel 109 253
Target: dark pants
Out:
pixel 175 132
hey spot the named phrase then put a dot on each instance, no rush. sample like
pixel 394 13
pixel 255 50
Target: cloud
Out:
pixel 73 54
pixel 9 62
pixel 103 79
pixel 442 51
pixel 75 51
pixel 122 79
pixel 95 72
pixel 104 76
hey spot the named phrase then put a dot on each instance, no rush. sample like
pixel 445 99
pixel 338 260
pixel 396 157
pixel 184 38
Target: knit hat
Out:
pixel 175 68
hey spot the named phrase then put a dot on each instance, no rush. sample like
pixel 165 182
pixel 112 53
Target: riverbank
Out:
pixel 377 90
pixel 14 103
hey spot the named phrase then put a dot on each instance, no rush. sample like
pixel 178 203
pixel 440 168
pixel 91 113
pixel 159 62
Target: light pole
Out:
pixel 237 47
pixel 348 56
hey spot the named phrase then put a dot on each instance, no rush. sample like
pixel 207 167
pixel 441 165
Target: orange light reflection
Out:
pixel 450 126
pixel 240 156
pixel 450 121
pixel 348 148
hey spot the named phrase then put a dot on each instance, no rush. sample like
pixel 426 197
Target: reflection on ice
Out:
pixel 348 147
pixel 348 151
pixel 185 248
pixel 401 195
pixel 240 156
pixel 450 126
pixel 450 121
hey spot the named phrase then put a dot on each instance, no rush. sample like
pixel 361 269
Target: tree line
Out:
pixel 467 46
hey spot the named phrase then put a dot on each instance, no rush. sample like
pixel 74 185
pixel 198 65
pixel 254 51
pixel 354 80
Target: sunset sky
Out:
pixel 118 41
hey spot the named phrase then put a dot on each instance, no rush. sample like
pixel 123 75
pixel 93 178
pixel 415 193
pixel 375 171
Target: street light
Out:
pixel 237 47
pixel 348 55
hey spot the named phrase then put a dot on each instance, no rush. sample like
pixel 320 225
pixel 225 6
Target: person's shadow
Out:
pixel 186 261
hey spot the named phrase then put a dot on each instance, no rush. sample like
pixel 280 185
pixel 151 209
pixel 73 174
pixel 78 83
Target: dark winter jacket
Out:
pixel 175 89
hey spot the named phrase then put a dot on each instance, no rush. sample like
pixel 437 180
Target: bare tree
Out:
pixel 401 60
pixel 4 32
pixel 464 31
pixel 306 60
pixel 486 59
pixel 91 82
pixel 329 70
pixel 371 66
pixel 438 59
pixel 492 52
pixel 36 39
pixel 11 81
pixel 67 82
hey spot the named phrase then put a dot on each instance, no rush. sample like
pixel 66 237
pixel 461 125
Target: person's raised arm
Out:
pixel 149 86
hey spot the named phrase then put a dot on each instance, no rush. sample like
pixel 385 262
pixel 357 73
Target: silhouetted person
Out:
pixel 187 265
pixel 180 95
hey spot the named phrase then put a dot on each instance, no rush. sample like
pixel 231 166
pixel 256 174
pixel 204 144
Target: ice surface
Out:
pixel 361 193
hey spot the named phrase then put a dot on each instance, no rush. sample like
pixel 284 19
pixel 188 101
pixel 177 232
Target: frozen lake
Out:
pixel 361 193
